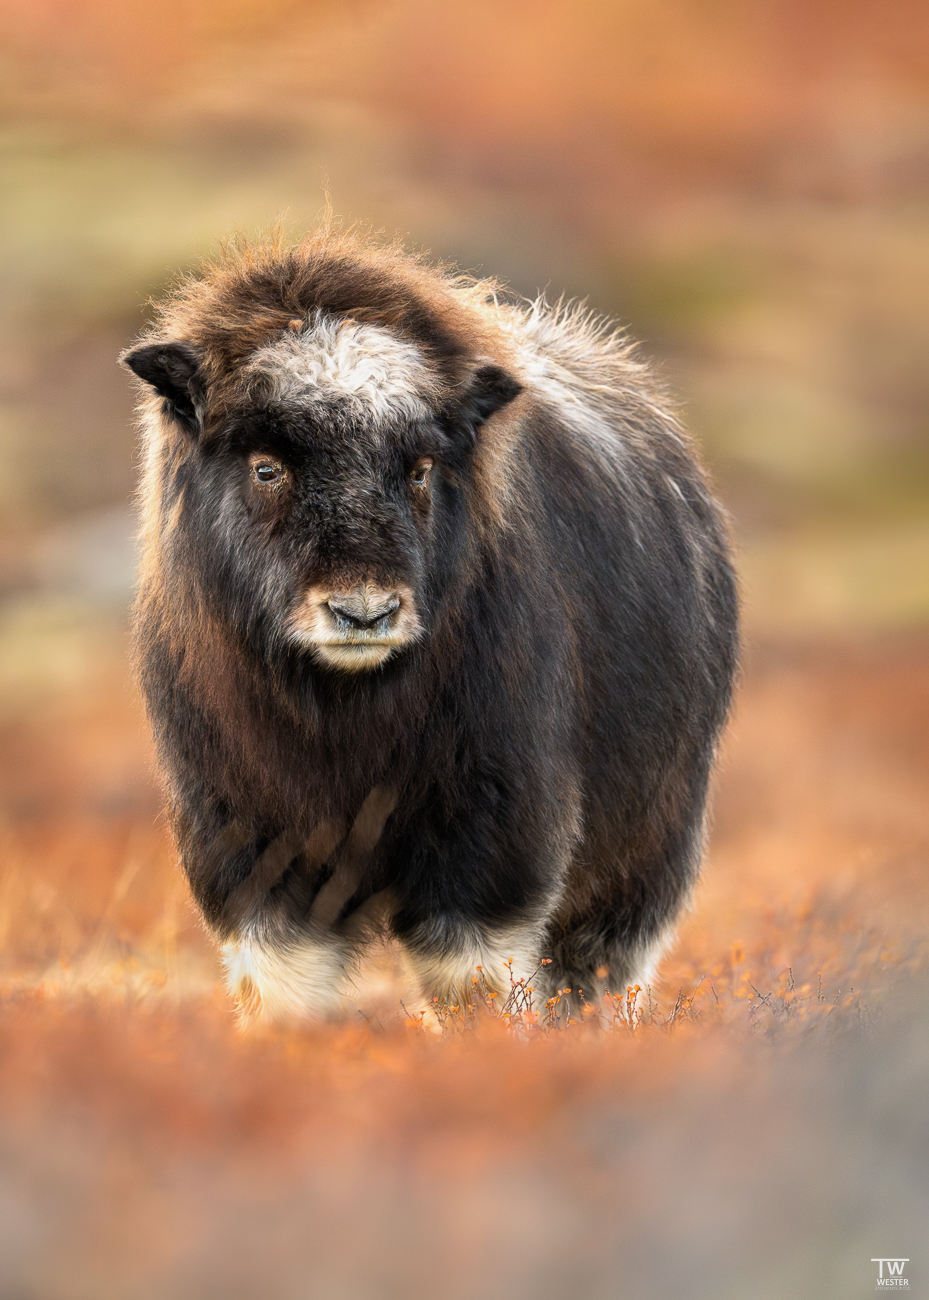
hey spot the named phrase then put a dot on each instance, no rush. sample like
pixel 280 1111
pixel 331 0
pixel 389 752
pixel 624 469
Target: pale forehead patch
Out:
pixel 339 358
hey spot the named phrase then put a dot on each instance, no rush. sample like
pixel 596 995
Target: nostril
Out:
pixel 361 615
pixel 353 617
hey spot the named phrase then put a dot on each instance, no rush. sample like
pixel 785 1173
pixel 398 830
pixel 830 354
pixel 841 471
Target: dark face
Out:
pixel 334 539
pixel 325 518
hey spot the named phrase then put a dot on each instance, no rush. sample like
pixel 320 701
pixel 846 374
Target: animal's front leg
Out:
pixel 286 973
pixel 266 896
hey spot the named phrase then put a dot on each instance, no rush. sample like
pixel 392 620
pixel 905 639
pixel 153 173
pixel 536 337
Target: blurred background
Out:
pixel 745 183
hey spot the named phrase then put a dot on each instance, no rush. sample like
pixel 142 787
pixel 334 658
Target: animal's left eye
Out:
pixel 419 476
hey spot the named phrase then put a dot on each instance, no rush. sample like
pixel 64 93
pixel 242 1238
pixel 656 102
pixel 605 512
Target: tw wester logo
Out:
pixel 893 1276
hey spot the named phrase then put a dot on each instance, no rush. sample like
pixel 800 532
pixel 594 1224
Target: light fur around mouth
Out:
pixel 315 627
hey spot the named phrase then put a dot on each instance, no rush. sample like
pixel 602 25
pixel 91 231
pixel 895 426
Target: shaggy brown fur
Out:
pixel 421 559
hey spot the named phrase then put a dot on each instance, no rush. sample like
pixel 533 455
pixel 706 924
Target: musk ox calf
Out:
pixel 436 626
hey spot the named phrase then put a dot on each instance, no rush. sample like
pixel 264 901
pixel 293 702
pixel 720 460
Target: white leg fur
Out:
pixel 649 955
pixel 288 977
pixel 450 976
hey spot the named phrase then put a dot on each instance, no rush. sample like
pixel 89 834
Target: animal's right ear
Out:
pixel 173 370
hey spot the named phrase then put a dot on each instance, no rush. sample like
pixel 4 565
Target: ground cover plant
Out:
pixel 746 185
pixel 761 1086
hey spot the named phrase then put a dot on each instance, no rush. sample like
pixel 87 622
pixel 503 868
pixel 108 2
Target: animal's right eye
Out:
pixel 267 471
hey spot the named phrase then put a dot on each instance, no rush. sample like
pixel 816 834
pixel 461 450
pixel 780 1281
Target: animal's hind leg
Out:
pixel 596 955
pixel 460 964
pixel 617 919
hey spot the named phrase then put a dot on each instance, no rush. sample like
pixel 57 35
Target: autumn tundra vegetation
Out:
pixel 743 186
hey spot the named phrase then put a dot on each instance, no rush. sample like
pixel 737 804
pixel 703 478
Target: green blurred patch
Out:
pixel 837 580
pixel 794 334
pixel 667 295
pixel 56 646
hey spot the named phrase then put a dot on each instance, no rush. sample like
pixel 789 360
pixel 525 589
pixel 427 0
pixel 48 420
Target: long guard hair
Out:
pixel 436 625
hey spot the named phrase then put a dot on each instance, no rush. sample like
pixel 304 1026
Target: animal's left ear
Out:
pixel 491 388
pixel 173 370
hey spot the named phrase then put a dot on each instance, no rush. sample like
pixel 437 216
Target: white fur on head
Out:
pixel 339 358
